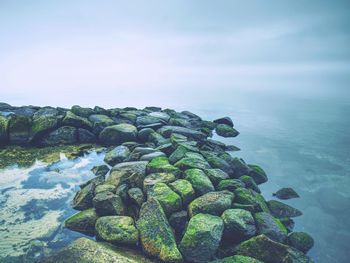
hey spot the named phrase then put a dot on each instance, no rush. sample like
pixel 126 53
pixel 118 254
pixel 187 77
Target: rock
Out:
pixel 18 129
pixel 76 121
pixel 117 134
pixel 143 134
pixel 169 200
pixel 117 229
pixel 249 183
pixel 178 222
pixel 226 130
pixel 230 184
pixel 105 188
pixel 99 122
pixel 237 259
pixel 202 238
pixel 301 241
pixel 217 162
pixel 143 150
pixel 107 203
pixel 157 139
pixel 83 222
pixel 244 196
pixel 117 155
pixel 288 223
pixel 3 130
pixel 132 173
pixel 224 120
pixel 286 193
pixel 190 163
pixel 239 224
pixel 264 249
pixel 100 110
pixel 199 181
pixel 160 115
pixel 281 210
pixel 100 170
pixel 63 135
pixel 85 136
pixel 239 167
pixel 184 189
pixel 270 227
pixel 166 131
pixel 150 156
pixel 147 120
pixel 214 203
pixel 136 196
pixel 83 199
pixel 122 191
pixel 80 111
pixel 161 165
pixel 216 175
pixel 257 173
pixel 178 154
pixel 152 179
pixel 157 238
pixel 152 108
pixel 166 148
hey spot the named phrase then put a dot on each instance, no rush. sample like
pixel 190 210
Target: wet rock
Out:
pixel 301 241
pixel 132 173
pixel 217 162
pixel 270 227
pixel 264 249
pixel 199 181
pixel 160 115
pixel 226 130
pixel 76 121
pixel 18 129
pixel 239 167
pixel 216 175
pixel 157 139
pixel 237 259
pixel 166 131
pixel 100 170
pixel 3 130
pixel 136 196
pixel 85 136
pixel 83 222
pixel 117 134
pixel 249 183
pixel 83 199
pixel 144 133
pixel 150 156
pixel 286 193
pixel 117 155
pixel 107 203
pixel 214 203
pixel 230 184
pixel 178 222
pixel 202 238
pixel 117 229
pixel 105 188
pixel 157 238
pixel 257 173
pixel 184 189
pixel 288 223
pixel 99 122
pixel 224 120
pixel 239 224
pixel 191 162
pixel 281 210
pixel 169 200
pixel 152 179
pixel 63 135
pixel 161 165
pixel 82 112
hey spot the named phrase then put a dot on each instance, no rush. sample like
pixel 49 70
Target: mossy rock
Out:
pixel 100 170
pixel 237 259
pixel 136 196
pixel 3 130
pixel 99 122
pixel 169 200
pixel 301 241
pixel 166 131
pixel 117 229
pixel 44 120
pixel 156 236
pixel 249 183
pixel 199 181
pixel 62 135
pixel 216 175
pixel 117 134
pixel 239 224
pixel 230 185
pixel 286 193
pixel 143 134
pixel 202 238
pixel 244 196
pixel 217 162
pixel 107 203
pixel 281 210
pixel 80 111
pixel 83 198
pixel 104 188
pixel 225 130
pixel 257 173
pixel 178 154
pixel 161 165
pixel 70 119
pixel 151 179
pixel 270 227
pixel 264 249
pixel 192 163
pixel 117 155
pixel 184 189
pixel 214 203
pixel 18 129
pixel 83 222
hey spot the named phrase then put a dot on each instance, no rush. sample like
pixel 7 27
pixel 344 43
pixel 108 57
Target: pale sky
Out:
pixel 113 53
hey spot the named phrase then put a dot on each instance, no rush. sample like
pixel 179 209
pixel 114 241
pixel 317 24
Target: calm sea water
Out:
pixel 301 142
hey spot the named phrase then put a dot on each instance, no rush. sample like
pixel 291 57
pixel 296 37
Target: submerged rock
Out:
pixel 281 210
pixel 226 130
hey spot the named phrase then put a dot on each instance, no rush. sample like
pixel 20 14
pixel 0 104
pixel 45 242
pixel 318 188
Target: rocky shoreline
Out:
pixel 168 192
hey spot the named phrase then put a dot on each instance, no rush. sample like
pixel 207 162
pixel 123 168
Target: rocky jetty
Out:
pixel 168 190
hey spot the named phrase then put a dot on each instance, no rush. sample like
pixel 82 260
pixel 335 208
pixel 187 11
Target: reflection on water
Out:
pixel 35 201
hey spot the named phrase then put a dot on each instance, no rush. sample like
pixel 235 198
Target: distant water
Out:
pixel 300 141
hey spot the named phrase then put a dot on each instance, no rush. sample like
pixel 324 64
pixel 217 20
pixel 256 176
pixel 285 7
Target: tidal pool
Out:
pixel 34 203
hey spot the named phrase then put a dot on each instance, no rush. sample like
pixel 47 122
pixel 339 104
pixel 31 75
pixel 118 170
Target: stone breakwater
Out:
pixel 168 192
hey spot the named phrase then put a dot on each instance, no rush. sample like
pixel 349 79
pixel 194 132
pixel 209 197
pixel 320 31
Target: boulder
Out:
pixel 136 196
pixel 178 222
pixel 301 241
pixel 152 179
pixel 117 134
pixel 63 135
pixel 169 200
pixel 18 129
pixel 230 185
pixel 104 188
pixel 184 189
pixel 99 122
pixel 216 175
pixel 160 115
pixel 226 130
pixel 144 133
pixel 100 170
pixel 82 112
pixel 132 173
pixel 117 229
pixel 166 131
pixel 3 129
pixel 83 222
pixel 117 155
pixel 249 183
pixel 107 203
pixel 239 224
pixel 150 156
pixel 257 173
pixel 224 120
pixel 156 236
pixel 214 203
pixel 76 121
pixel 192 162
pixel 83 198
pixel 199 181
pixel 264 249
pixel 202 238
pixel 237 259
pixel 270 227
pixel 286 193
pixel 161 165
pixel 281 210
pixel 86 136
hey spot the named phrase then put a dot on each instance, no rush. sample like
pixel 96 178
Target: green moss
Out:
pixel 199 181
pixel 237 259
pixel 244 196
pixel 3 129
pixel 184 189
pixel 161 165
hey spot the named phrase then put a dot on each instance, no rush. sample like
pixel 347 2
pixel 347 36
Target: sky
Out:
pixel 170 52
